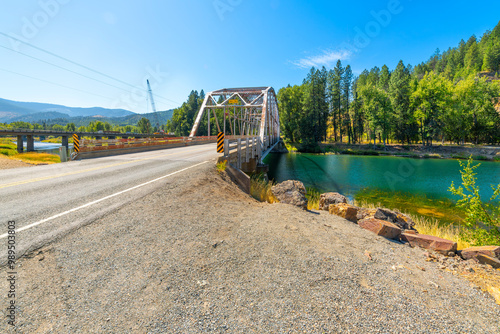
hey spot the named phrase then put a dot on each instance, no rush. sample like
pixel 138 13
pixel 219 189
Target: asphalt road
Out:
pixel 47 202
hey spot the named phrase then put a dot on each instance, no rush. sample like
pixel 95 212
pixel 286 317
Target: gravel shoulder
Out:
pixel 199 255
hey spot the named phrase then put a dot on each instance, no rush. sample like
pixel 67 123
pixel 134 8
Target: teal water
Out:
pixel 348 174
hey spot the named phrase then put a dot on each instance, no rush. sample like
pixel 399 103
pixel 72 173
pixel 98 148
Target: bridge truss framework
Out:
pixel 248 112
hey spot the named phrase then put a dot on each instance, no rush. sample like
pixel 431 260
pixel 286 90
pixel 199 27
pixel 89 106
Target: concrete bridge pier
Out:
pixel 20 147
pixel 65 142
pixel 30 143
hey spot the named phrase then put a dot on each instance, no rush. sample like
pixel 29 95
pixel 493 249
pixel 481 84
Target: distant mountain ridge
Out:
pixel 34 112
pixel 12 111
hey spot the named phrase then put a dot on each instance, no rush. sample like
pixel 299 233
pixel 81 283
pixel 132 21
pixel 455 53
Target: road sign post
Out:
pixel 220 142
pixel 76 143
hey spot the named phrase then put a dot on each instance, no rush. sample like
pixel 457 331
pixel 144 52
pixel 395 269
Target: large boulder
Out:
pixel 381 227
pixel 473 252
pixel 440 245
pixel 330 198
pixel 402 221
pixel 345 211
pixel 291 192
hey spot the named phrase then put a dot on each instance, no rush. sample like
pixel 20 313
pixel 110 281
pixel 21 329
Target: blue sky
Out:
pixel 212 44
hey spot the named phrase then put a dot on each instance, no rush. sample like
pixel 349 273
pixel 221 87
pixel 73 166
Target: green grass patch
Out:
pixel 8 152
pixel 432 156
pixel 480 157
pixel 7 147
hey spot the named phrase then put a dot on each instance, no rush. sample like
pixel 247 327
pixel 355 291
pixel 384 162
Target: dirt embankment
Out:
pixel 198 255
pixel 6 163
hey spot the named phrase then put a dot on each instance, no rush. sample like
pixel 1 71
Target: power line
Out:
pixel 53 83
pixel 63 68
pixel 80 65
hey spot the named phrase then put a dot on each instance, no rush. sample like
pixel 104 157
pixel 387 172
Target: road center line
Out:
pixel 12 184
pixel 100 200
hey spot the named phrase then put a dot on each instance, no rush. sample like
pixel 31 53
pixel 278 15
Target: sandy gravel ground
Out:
pixel 6 163
pixel 199 256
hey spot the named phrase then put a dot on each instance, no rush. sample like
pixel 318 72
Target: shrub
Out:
pixel 481 219
pixel 221 166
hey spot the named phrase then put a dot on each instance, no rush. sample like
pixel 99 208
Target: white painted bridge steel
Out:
pixel 248 112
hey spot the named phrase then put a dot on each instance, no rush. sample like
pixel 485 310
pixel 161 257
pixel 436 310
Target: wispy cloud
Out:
pixel 327 59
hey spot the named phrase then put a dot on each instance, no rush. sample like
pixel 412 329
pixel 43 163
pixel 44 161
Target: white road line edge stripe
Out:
pixel 99 200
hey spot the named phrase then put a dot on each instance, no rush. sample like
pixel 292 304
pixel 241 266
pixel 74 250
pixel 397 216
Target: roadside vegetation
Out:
pixel 221 166
pixel 481 225
pixel 260 188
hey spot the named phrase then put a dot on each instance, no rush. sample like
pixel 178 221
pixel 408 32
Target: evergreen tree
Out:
pixel 385 76
pixel 491 60
pixel 346 95
pixel 473 61
pixel 335 96
pixel 399 94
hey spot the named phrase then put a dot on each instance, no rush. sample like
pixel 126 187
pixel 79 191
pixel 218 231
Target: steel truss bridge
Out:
pixel 249 115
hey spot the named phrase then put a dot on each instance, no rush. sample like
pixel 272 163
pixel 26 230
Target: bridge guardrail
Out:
pixel 92 145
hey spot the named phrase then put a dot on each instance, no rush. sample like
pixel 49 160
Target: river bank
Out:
pixel 490 153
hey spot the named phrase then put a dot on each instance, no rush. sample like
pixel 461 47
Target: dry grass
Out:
pixel 429 226
pixel 313 197
pixel 433 227
pixel 260 189
pixel 37 158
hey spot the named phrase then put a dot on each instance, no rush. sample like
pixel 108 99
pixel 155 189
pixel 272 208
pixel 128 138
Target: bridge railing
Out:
pixel 244 149
pixel 92 145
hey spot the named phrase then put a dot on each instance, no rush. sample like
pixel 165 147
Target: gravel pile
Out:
pixel 199 256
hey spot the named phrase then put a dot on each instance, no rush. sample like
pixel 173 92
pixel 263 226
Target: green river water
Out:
pixel 412 185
